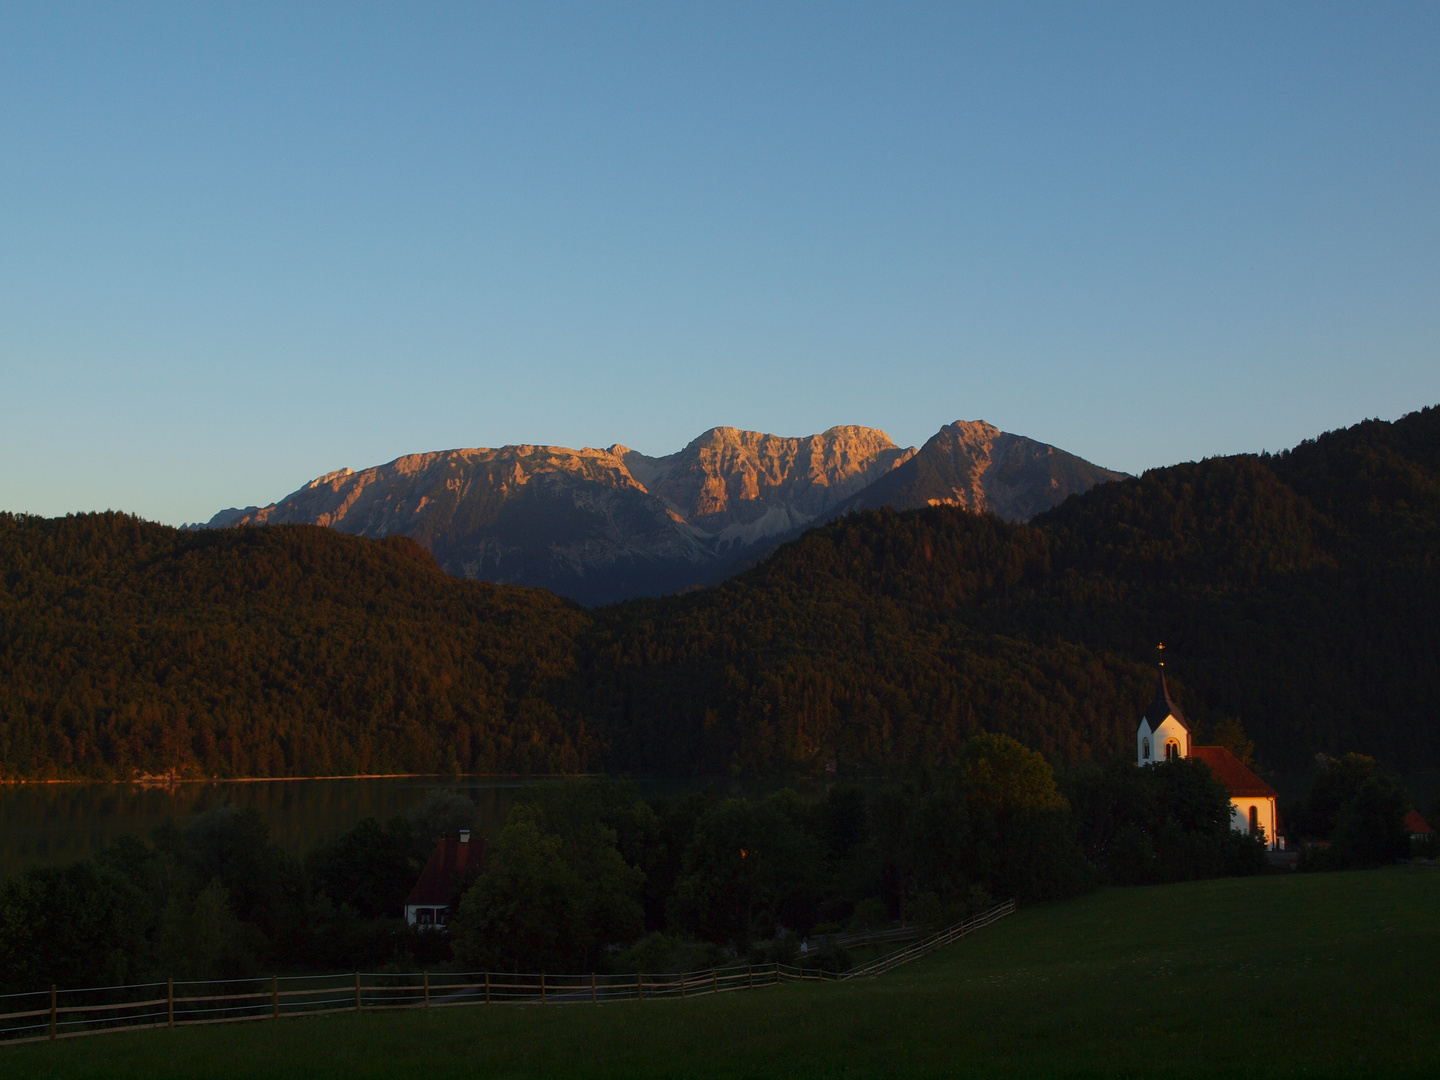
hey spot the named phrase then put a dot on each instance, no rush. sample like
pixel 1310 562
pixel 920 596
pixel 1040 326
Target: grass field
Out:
pixel 1314 975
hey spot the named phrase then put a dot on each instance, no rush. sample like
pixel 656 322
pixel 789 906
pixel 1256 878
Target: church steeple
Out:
pixel 1163 706
pixel 1162 733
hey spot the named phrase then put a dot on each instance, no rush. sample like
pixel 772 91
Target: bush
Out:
pixel 827 956
pixel 664 953
pixel 1165 822
pixel 869 915
pixel 1370 829
pixel 747 868
pixel 73 926
pixel 520 914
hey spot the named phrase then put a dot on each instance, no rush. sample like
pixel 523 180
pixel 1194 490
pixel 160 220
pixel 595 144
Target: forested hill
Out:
pixel 128 647
pixel 1300 592
pixel 1296 592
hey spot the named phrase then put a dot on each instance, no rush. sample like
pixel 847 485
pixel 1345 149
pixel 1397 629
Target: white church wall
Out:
pixel 1264 812
pixel 1169 728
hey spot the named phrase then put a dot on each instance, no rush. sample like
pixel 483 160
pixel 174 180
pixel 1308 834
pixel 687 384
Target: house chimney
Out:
pixel 464 836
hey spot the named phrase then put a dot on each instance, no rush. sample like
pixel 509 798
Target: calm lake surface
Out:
pixel 44 824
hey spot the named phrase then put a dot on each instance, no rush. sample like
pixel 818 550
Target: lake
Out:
pixel 44 824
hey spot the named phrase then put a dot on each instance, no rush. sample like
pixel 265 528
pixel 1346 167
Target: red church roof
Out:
pixel 1231 772
pixel 451 862
pixel 1414 823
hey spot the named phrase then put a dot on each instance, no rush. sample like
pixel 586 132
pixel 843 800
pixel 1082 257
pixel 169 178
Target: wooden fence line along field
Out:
pixel 60 1014
pixel 882 964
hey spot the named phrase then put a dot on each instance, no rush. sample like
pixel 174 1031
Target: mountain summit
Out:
pixel 975 465
pixel 605 525
pixel 743 488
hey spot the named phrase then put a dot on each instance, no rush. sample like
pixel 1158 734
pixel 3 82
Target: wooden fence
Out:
pixel 927 945
pixel 60 1014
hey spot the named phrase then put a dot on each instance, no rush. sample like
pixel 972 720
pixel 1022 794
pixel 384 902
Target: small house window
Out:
pixel 1172 750
pixel 1254 820
pixel 1145 749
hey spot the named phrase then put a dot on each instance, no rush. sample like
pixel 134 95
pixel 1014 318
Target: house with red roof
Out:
pixel 1417 826
pixel 451 867
pixel 1253 803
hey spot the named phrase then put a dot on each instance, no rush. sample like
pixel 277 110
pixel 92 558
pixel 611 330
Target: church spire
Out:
pixel 1163 705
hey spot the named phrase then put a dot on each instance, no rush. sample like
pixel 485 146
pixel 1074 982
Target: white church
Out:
pixel 1163 735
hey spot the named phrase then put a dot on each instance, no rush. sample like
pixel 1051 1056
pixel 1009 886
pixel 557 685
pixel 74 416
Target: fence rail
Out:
pixel 63 1014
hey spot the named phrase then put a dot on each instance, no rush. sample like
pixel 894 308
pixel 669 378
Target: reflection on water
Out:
pixel 43 824
pixel 46 824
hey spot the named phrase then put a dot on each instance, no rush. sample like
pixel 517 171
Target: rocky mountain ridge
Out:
pixel 978 467
pixel 599 525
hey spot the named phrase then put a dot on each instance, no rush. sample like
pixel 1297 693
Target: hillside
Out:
pixel 128 648
pixel 604 525
pixel 1296 592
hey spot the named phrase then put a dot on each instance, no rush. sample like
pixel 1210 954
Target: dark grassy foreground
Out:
pixel 1326 974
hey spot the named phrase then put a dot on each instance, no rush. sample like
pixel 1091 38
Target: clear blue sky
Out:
pixel 245 244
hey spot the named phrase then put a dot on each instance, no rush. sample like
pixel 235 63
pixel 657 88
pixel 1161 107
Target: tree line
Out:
pixel 590 876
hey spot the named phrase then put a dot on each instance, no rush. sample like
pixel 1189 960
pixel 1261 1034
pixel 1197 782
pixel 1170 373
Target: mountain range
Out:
pixel 601 525
pixel 1295 593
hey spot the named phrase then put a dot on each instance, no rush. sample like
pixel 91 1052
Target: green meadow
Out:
pixel 1282 975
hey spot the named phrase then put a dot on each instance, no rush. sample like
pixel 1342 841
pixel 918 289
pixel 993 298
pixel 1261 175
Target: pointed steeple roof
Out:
pixel 1162 707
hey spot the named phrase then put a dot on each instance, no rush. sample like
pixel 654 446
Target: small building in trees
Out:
pixel 1163 735
pixel 451 866
pixel 1417 826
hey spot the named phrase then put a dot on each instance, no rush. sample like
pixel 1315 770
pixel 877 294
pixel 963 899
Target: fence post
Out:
pixel 639 987
pixel 682 984
pixel 427 989
pixel 275 997
pixel 542 988
pixel 594 993
pixel 170 1002
pixel 52 1010
pixel 714 980
pixel 357 991
pixel 777 971
pixel 487 988
pixel 750 976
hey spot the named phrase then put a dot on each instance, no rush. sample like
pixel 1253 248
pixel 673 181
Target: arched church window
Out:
pixel 1254 820
pixel 1172 750
pixel 1145 749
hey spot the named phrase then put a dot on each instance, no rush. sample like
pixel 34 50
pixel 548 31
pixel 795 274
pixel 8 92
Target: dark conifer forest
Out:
pixel 1296 593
